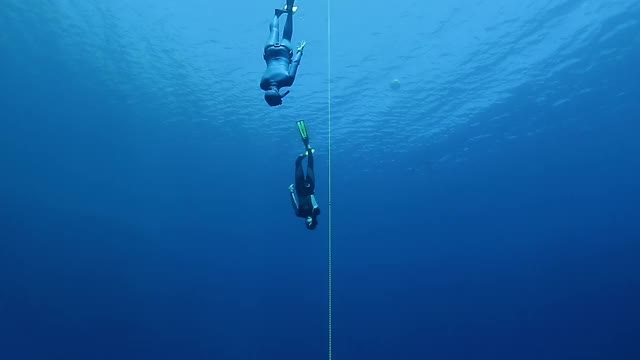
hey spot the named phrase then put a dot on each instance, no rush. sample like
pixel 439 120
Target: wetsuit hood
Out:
pixel 273 97
pixel 311 222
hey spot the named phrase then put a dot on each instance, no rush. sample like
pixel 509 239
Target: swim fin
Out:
pixel 304 134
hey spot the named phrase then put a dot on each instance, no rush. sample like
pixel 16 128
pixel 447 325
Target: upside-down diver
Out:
pixel 282 64
pixel 302 192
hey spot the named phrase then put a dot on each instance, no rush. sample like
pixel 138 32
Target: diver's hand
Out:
pixel 302 45
pixel 291 188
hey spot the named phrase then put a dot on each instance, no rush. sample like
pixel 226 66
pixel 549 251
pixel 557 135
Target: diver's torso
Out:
pixel 278 59
pixel 305 207
pixel 278 51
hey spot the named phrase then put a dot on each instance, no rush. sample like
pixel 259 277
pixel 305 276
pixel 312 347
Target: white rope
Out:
pixel 329 157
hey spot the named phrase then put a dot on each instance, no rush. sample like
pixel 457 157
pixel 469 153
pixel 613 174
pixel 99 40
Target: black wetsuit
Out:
pixel 306 205
pixel 282 65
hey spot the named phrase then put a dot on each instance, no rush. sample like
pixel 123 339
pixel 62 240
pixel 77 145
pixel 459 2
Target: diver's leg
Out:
pixel 274 29
pixel 287 33
pixel 311 175
pixel 299 175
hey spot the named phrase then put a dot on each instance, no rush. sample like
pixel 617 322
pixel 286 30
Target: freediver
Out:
pixel 302 192
pixel 282 64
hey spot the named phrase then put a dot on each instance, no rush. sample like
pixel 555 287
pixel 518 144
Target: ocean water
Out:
pixel 485 181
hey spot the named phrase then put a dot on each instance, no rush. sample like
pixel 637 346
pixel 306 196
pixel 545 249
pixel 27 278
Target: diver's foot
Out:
pixel 290 8
pixel 313 151
pixel 280 12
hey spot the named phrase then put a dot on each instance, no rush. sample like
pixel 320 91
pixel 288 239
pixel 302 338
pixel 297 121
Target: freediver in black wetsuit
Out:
pixel 282 64
pixel 305 206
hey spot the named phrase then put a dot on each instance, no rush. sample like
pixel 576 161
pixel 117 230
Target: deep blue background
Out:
pixel 143 183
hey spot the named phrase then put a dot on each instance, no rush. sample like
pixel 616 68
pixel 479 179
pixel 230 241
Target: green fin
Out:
pixel 302 128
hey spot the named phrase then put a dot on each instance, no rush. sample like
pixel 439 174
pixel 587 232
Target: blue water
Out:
pixel 486 208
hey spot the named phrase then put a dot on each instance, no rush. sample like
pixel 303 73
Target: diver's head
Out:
pixel 272 97
pixel 311 222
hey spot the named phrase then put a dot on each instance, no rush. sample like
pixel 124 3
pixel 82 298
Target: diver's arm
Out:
pixel 293 67
pixel 294 202
pixel 314 203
